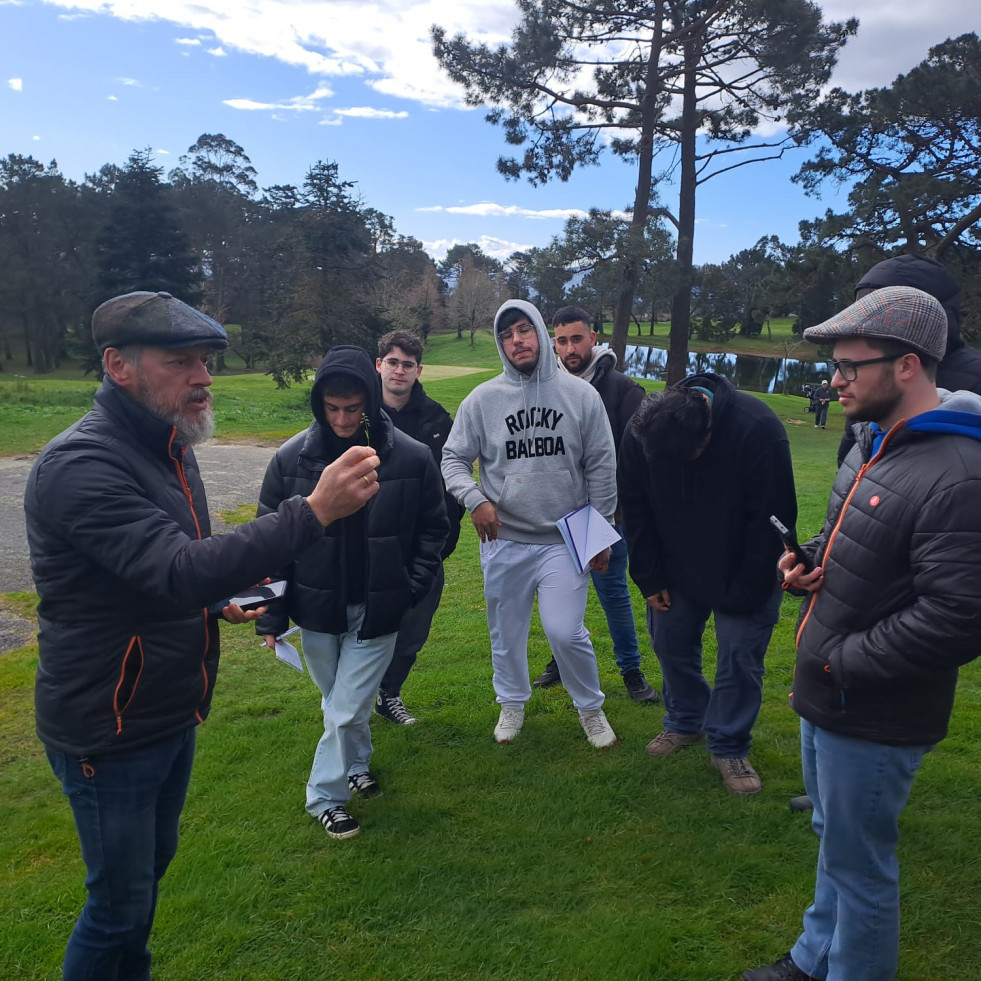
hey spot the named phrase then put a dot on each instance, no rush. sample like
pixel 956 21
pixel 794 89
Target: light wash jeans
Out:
pixel 859 789
pixel 514 572
pixel 614 596
pixel 127 807
pixel 727 710
pixel 347 672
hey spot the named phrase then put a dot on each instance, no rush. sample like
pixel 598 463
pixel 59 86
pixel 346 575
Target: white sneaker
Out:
pixel 509 724
pixel 597 729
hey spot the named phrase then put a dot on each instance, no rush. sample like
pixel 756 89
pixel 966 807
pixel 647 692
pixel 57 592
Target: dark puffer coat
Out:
pixel 899 611
pixel 402 528
pixel 117 524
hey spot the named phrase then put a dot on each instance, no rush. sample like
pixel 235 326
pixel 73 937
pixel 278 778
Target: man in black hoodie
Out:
pixel 960 369
pixel 702 467
pixel 350 591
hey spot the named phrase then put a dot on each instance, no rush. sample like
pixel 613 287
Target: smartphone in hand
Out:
pixel 790 543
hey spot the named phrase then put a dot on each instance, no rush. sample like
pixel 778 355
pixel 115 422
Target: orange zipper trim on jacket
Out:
pixel 185 487
pixel 841 516
pixel 116 708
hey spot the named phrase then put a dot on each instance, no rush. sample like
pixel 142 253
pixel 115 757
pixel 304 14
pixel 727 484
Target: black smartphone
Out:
pixel 248 599
pixel 790 542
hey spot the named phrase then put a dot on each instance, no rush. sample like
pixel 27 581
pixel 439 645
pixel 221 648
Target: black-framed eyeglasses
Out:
pixel 849 369
pixel 522 330
pixel 394 363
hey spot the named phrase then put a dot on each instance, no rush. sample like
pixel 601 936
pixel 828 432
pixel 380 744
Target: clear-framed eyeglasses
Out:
pixel 522 330
pixel 407 366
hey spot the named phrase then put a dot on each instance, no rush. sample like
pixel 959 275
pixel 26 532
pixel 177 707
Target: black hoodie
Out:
pixel 385 555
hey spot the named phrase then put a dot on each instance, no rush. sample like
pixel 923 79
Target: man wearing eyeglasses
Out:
pixel 543 445
pixel 399 365
pixel 892 609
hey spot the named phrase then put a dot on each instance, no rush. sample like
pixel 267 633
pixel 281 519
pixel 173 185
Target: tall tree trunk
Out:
pixel 642 200
pixel 681 302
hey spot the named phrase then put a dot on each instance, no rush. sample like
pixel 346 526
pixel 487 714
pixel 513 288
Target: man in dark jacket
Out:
pixel 399 365
pixel 702 467
pixel 130 584
pixel 350 592
pixel 575 345
pixel 960 369
pixel 893 608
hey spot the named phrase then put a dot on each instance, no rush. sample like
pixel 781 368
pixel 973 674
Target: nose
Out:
pixel 201 376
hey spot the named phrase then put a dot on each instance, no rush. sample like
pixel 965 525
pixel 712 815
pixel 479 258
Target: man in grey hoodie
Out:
pixel 544 448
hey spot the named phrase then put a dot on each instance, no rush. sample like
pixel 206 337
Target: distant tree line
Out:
pixel 292 270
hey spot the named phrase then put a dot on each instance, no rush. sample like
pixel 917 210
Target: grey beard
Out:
pixel 190 431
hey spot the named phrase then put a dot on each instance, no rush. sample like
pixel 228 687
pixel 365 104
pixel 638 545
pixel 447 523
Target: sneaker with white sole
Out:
pixel 392 707
pixel 738 775
pixel 338 823
pixel 598 731
pixel 364 785
pixel 509 724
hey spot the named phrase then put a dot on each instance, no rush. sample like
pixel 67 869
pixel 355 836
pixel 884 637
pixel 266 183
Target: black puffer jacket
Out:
pixel 402 528
pixel 621 395
pixel 425 420
pixel 899 611
pixel 117 524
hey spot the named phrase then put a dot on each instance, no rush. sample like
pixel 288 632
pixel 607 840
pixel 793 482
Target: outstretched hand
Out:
pixel 346 485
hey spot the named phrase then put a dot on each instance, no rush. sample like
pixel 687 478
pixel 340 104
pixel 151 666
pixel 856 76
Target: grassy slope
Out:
pixel 544 859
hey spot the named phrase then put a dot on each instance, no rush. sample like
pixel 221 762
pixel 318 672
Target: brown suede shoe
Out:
pixel 738 775
pixel 667 742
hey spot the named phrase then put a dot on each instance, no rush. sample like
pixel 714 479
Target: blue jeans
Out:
pixel 614 596
pixel 725 712
pixel 859 789
pixel 127 806
pixel 347 672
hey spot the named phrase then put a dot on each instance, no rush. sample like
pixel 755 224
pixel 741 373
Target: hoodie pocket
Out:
pixel 538 499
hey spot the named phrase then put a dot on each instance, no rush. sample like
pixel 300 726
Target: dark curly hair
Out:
pixel 675 424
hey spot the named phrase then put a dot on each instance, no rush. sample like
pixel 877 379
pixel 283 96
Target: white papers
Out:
pixel 287 653
pixel 586 533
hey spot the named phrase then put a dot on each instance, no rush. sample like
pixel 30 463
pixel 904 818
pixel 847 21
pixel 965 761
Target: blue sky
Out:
pixel 295 81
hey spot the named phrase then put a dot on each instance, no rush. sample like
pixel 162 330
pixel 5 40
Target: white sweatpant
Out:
pixel 513 573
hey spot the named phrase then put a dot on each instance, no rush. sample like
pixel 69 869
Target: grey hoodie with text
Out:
pixel 542 443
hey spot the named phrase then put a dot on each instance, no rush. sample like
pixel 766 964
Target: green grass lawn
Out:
pixel 544 859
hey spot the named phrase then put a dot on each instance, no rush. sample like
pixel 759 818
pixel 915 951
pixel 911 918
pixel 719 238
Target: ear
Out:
pixel 378 365
pixel 124 373
pixel 419 370
pixel 908 366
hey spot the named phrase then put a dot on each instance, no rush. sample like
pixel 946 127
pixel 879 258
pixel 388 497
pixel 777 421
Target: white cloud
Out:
pixel 131 82
pixel 165 153
pixel 218 52
pixel 36 138
pixel 367 112
pixel 188 42
pixel 497 248
pixel 17 84
pixel 488 209
pixel 298 103
pixel 111 98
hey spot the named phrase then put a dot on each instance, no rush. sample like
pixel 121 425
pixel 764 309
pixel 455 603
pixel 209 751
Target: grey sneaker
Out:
pixel 638 688
pixel 598 731
pixel 364 785
pixel 738 775
pixel 667 742
pixel 784 970
pixel 509 724
pixel 338 823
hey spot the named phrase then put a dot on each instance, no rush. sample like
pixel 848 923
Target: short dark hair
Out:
pixel 510 316
pixel 339 385
pixel 898 349
pixel 408 342
pixel 674 424
pixel 569 315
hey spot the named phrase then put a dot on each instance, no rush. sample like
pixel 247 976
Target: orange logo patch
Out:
pixel 874 501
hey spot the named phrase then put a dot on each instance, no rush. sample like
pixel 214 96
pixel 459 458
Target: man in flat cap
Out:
pixel 892 609
pixel 131 587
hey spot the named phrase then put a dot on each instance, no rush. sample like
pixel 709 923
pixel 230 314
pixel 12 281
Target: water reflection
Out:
pixel 785 376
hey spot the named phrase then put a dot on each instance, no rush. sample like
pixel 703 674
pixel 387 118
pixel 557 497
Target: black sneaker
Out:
pixel 391 707
pixel 365 785
pixel 338 823
pixel 784 970
pixel 638 688
pixel 802 803
pixel 549 677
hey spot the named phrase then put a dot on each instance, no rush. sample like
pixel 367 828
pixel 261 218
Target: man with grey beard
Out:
pixel 131 588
